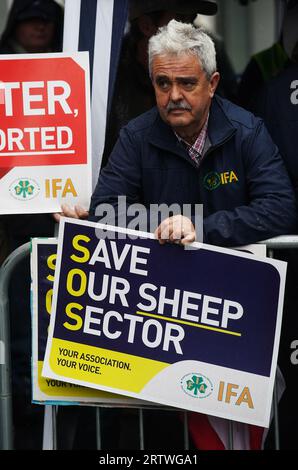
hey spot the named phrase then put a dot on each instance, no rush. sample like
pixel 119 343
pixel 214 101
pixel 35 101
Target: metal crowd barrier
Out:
pixel 6 421
pixel 6 427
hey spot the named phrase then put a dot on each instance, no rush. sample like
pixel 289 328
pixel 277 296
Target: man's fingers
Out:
pixel 77 212
pixel 175 236
pixel 163 227
pixel 57 216
pixel 69 211
pixel 162 232
pixel 176 229
pixel 164 235
pixel 188 239
pixel 81 212
pixel 166 232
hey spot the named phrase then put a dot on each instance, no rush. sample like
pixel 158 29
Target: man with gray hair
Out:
pixel 197 148
pixel 145 18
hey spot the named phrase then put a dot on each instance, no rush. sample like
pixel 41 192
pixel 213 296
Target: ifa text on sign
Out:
pixel 44 132
pixel 195 329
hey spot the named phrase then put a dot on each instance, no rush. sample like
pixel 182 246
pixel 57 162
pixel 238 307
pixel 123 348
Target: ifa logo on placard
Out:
pixel 24 189
pixel 196 385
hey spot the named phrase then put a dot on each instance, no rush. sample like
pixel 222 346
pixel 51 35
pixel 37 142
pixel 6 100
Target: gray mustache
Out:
pixel 178 105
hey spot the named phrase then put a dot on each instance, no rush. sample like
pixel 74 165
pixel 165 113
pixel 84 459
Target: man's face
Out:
pixel 35 35
pixel 183 92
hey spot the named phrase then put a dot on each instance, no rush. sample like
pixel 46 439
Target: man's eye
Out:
pixel 163 84
pixel 188 85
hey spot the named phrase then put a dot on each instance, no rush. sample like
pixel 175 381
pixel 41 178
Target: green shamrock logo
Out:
pixel 196 384
pixel 212 181
pixel 24 189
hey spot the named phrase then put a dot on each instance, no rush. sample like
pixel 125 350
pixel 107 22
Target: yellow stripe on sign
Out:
pixel 101 366
pixel 182 322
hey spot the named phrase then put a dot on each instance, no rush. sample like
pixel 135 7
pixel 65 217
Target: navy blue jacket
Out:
pixel 280 113
pixel 242 182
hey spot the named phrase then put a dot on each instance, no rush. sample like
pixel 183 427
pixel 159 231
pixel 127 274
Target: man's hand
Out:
pixel 74 213
pixel 176 229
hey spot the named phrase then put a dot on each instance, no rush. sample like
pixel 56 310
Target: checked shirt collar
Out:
pixel 195 151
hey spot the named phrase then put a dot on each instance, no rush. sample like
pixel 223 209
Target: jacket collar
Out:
pixel 220 129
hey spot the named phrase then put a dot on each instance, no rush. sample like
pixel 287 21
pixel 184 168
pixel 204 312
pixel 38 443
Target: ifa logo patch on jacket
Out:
pixel 214 179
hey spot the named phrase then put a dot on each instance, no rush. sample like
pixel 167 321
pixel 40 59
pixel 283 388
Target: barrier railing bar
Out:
pixel 185 431
pixel 275 398
pixel 231 436
pixel 283 242
pixel 6 426
pixel 54 429
pixel 98 429
pixel 276 419
pixel 141 427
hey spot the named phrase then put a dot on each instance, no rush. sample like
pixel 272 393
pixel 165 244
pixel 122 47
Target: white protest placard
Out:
pixel 196 329
pixel 45 153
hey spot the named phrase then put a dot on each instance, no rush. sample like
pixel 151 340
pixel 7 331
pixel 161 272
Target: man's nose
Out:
pixel 40 25
pixel 176 94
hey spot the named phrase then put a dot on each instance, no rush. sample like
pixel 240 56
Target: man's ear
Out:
pixel 214 80
pixel 146 26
